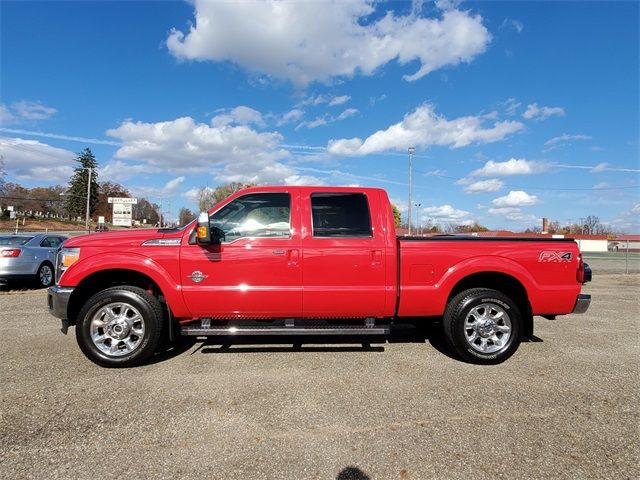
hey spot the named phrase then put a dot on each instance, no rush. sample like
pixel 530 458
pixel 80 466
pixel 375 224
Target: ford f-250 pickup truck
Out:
pixel 307 261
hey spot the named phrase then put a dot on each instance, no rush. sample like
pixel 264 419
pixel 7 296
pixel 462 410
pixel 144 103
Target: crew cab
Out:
pixel 308 261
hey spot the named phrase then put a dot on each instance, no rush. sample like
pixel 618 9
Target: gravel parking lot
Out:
pixel 566 406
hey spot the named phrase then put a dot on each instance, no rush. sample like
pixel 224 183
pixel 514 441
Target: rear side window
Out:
pixel 14 240
pixel 340 215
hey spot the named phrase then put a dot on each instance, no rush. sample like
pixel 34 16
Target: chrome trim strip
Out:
pixel 162 242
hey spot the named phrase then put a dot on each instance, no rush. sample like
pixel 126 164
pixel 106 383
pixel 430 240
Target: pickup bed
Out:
pixel 307 261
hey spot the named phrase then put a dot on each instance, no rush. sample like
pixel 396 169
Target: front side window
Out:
pixel 255 215
pixel 340 215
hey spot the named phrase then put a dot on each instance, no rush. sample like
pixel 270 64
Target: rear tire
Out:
pixel 482 326
pixel 120 327
pixel 45 276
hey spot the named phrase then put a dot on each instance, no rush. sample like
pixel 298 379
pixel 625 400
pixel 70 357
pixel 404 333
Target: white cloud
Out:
pixel 601 167
pixel 172 185
pixel 184 144
pixel 379 98
pixel 484 186
pixel 32 110
pixel 24 110
pixel 446 214
pixel 317 41
pixel 541 113
pixel 424 128
pixel 511 106
pixel 564 138
pixel 515 198
pixel 349 112
pixel 512 213
pixel 292 115
pixel 33 160
pixel 341 100
pixel 239 116
pixel 324 99
pixel 117 170
pixel 327 119
pixel 230 153
pixel 315 123
pixel 513 166
pixel 6 117
pixel 601 185
pixel 512 23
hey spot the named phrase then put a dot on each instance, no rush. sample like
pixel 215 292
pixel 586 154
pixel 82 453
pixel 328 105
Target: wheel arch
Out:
pixel 502 282
pixel 103 279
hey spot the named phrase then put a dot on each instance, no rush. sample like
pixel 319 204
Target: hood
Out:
pixel 133 238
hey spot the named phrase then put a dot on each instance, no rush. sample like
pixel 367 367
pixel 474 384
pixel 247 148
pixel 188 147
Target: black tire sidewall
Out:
pixel 457 332
pixel 151 334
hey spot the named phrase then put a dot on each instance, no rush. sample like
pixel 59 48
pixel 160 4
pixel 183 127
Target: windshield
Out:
pixel 14 240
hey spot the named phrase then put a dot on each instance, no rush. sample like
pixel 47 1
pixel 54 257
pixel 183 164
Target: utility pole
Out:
pixel 86 218
pixel 411 151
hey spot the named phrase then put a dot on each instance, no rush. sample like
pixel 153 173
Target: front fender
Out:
pixel 85 267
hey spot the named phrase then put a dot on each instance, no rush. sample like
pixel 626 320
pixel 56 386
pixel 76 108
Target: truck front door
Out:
pixel 256 272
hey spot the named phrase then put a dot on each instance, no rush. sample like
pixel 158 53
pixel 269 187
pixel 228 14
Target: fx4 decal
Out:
pixel 554 257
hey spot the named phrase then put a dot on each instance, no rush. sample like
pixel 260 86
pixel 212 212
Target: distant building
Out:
pixel 622 242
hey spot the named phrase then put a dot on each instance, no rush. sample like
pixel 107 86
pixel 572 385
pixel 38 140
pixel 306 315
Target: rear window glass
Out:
pixel 14 240
pixel 340 215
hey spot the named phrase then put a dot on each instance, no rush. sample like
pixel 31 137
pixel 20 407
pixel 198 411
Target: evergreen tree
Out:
pixel 76 196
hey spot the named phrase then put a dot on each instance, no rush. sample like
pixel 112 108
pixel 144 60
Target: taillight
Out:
pixel 10 253
pixel 580 273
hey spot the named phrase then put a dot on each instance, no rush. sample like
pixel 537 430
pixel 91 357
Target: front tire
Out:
pixel 120 327
pixel 482 326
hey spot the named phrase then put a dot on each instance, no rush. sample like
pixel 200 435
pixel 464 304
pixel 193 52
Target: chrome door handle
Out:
pixel 279 252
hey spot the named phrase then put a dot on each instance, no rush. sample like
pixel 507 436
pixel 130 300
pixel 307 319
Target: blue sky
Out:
pixel 517 110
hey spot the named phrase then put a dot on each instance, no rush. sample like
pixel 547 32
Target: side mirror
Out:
pixel 203 235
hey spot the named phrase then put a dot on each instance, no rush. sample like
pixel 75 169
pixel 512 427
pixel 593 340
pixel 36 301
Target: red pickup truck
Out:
pixel 308 261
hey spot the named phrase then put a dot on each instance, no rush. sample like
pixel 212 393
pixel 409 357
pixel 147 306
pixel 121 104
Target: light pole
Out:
pixel 411 151
pixel 86 218
pixel 418 205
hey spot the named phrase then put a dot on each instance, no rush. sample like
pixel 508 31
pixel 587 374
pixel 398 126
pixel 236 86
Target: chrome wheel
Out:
pixel 45 275
pixel 487 328
pixel 117 329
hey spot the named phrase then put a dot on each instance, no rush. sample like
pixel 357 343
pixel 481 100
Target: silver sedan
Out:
pixel 29 257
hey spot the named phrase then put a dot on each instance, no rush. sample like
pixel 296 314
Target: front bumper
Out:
pixel 57 300
pixel 582 303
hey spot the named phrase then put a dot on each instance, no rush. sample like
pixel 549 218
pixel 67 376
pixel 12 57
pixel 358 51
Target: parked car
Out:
pixel 308 261
pixel 29 257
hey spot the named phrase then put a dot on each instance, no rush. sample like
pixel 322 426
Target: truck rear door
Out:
pixel 343 256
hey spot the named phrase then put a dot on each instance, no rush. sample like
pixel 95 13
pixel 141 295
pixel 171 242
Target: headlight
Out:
pixel 66 257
